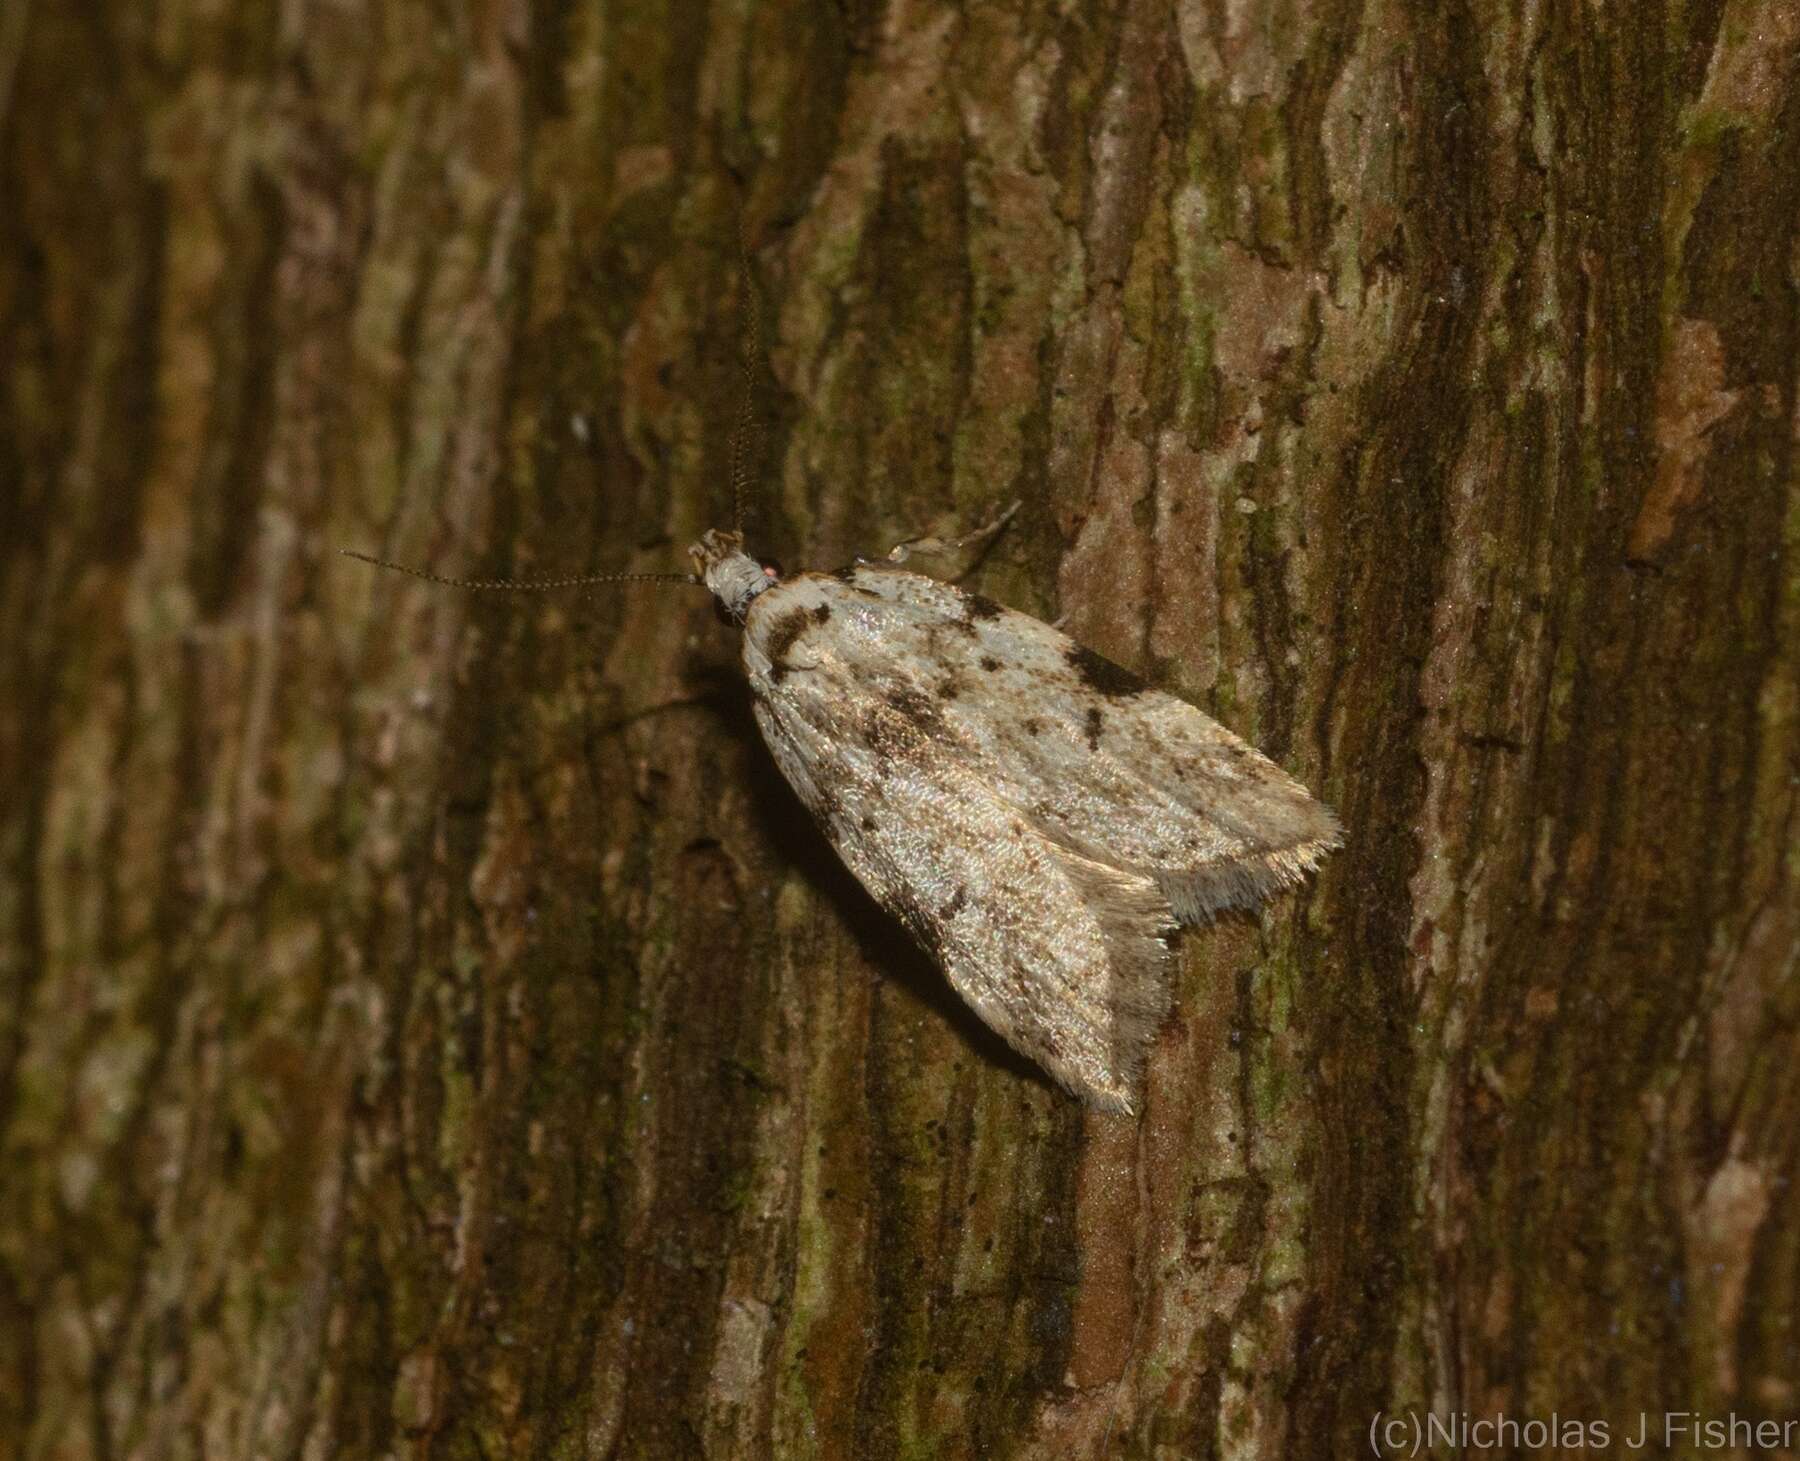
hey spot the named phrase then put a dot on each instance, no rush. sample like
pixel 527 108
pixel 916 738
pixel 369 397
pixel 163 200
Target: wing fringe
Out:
pixel 1198 895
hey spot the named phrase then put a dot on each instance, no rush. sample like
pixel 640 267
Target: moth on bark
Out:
pixel 1038 817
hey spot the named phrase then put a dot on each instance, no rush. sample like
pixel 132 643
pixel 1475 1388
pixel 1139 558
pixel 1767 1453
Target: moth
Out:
pixel 1039 818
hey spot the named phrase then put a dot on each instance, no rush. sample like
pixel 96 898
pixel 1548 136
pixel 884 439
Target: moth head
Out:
pixel 729 573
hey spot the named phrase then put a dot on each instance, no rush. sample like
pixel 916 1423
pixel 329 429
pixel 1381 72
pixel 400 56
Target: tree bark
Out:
pixel 432 1029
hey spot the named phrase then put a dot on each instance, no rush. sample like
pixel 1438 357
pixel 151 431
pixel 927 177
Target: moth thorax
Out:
pixel 732 575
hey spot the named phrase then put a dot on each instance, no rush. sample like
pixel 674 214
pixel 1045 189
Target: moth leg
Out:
pixel 900 552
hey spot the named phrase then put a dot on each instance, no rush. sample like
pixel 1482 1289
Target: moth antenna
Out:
pixel 519 585
pixel 750 313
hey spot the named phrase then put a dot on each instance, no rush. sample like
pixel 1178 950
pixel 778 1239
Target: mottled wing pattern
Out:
pixel 1062 956
pixel 1035 816
pixel 1088 754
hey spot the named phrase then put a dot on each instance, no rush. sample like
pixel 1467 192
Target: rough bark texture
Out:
pixel 429 1026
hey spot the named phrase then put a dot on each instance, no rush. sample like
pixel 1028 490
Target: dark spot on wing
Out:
pixel 989 663
pixel 916 708
pixel 821 614
pixel 948 688
pixel 1033 726
pixel 1100 673
pixel 1093 727
pixel 868 824
pixel 782 634
pixel 955 905
pixel 919 719
pixel 847 575
pixel 976 607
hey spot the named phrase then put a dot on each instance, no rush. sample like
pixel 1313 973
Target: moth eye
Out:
pixel 771 569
